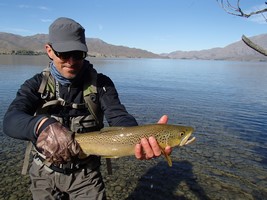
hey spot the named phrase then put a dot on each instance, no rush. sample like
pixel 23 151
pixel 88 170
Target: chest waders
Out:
pixel 49 90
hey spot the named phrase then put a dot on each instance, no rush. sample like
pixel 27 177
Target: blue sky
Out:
pixel 159 26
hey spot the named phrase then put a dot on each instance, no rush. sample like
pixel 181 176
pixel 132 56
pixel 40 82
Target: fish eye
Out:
pixel 182 134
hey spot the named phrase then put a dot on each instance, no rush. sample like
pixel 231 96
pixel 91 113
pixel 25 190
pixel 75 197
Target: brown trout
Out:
pixel 116 142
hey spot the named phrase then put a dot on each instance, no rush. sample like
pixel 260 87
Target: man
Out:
pixel 69 96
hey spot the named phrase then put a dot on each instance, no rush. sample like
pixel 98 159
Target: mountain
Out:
pixel 98 47
pixel 11 42
pixel 235 51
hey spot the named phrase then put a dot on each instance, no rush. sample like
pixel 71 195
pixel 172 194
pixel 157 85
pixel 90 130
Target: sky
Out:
pixel 158 26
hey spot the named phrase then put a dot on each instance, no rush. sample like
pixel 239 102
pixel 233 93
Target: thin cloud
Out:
pixel 43 8
pixel 259 18
pixel 16 30
pixel 24 6
pixel 46 20
pixel 100 27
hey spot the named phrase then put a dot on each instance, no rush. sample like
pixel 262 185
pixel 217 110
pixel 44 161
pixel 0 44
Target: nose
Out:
pixel 71 60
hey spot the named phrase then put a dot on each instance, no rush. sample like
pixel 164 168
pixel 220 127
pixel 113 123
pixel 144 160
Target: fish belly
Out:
pixel 107 150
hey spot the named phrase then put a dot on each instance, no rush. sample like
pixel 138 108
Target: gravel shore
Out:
pixel 197 173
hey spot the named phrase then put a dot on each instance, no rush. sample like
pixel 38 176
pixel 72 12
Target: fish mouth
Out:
pixel 187 140
pixel 193 139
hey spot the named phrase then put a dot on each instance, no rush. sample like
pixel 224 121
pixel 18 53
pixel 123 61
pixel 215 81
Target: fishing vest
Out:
pixel 49 90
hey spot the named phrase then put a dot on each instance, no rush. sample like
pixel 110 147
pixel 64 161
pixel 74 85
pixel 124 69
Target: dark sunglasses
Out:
pixel 76 55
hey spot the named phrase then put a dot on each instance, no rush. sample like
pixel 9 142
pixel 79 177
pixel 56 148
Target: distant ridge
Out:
pixel 10 42
pixel 235 51
pixel 98 48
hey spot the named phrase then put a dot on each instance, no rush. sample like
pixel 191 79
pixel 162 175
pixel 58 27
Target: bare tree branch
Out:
pixel 254 46
pixel 228 7
pixel 237 11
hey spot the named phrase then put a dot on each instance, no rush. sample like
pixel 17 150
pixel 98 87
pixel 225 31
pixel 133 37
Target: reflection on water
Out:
pixel 226 103
pixel 17 60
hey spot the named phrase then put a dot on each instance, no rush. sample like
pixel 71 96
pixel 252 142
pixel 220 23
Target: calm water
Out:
pixel 226 102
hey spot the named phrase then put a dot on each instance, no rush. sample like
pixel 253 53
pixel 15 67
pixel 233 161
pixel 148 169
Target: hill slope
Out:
pixel 11 42
pixel 235 51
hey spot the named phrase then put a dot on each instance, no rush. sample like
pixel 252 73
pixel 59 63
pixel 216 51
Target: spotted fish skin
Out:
pixel 117 142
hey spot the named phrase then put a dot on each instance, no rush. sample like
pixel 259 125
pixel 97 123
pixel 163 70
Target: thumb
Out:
pixel 163 120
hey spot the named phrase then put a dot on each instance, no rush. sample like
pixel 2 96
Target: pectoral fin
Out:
pixel 107 156
pixel 168 158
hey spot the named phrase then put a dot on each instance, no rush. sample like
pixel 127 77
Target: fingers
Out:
pixel 156 151
pixel 147 149
pixel 168 150
pixel 163 120
pixel 138 151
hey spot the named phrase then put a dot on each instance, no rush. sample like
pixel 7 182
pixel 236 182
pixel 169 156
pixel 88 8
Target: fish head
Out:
pixel 185 136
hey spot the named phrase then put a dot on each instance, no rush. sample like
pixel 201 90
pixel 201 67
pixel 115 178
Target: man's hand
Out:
pixel 149 148
pixel 57 143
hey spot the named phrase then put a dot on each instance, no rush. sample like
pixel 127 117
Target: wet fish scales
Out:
pixel 116 142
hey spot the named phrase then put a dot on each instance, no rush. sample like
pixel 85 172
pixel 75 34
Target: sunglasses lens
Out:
pixel 62 56
pixel 76 55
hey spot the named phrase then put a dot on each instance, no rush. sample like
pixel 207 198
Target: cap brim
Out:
pixel 69 46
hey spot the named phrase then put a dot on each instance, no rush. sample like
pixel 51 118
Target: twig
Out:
pixel 236 10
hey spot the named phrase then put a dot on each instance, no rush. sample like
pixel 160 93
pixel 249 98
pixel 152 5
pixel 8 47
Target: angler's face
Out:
pixel 68 64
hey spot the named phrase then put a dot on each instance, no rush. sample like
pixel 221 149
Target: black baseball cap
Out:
pixel 65 34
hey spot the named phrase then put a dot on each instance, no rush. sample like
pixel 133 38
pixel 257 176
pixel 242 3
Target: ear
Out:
pixel 49 51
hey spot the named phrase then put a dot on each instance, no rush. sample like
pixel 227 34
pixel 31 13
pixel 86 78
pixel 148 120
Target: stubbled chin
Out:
pixel 70 76
pixel 70 73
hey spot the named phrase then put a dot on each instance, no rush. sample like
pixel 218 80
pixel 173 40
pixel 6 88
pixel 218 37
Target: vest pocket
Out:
pixel 81 124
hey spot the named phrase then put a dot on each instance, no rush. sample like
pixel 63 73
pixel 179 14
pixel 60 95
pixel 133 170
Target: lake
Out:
pixel 226 103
